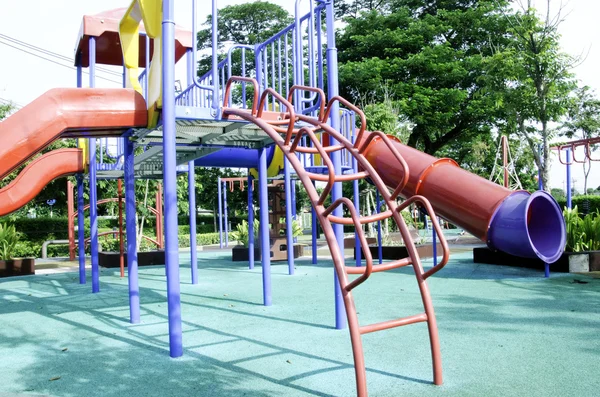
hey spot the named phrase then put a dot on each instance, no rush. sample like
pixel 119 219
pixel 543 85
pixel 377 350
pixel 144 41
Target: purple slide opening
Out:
pixel 528 226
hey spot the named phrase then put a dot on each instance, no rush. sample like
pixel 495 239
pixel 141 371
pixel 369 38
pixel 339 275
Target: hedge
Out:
pixel 591 203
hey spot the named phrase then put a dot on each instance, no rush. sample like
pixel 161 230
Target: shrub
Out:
pixel 8 241
pixel 582 234
pixel 592 202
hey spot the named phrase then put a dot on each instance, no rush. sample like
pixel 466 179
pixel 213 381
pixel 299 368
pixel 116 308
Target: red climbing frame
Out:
pixel 284 133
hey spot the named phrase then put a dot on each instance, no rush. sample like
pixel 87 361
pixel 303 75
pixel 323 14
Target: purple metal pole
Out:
pixel 170 180
pixel 93 183
pixel 225 213
pixel 80 203
pixel 220 212
pixel 216 103
pixel 193 242
pixel 379 239
pixel 288 216
pixel 541 187
pixel 314 234
pixel 434 239
pixel 569 187
pixel 265 249
pixel 80 228
pixel 355 187
pixel 250 223
pixel 294 210
pixel 130 226
pixel 332 91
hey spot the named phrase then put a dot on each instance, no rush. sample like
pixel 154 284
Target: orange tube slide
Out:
pixel 514 222
pixel 68 112
pixel 41 171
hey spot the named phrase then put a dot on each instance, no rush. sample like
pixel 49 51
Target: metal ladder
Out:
pixel 281 127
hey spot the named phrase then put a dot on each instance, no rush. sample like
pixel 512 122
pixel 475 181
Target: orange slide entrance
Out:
pixel 60 113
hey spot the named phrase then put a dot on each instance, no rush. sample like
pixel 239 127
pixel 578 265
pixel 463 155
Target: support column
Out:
pixel 93 183
pixel 288 216
pixel 332 91
pixel 193 211
pixel 315 230
pixel 226 222
pixel 170 181
pixel 81 228
pixel 220 199
pixel 379 239
pixel 250 223
pixel 130 224
pixel 265 247
pixel 569 187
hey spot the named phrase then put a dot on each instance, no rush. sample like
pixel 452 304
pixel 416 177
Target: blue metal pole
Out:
pixel 80 228
pixel 356 190
pixel 541 187
pixel 225 213
pixel 332 91
pixel 250 223
pixel 265 249
pixel 314 234
pixel 170 180
pixel 93 183
pixel 294 210
pixel 288 216
pixel 130 227
pixel 220 199
pixel 379 239
pixel 434 239
pixel 569 187
pixel 193 243
pixel 215 62
pixel 80 203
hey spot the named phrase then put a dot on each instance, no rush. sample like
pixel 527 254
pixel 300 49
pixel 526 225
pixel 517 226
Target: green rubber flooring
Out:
pixel 504 331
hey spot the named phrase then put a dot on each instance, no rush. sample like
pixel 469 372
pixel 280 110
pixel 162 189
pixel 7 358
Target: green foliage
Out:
pixel 241 234
pixel 8 241
pixel 202 239
pixel 432 57
pixel 5 109
pixel 592 202
pixel 582 234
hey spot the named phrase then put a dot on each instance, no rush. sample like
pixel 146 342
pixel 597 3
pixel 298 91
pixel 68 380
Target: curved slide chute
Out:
pixel 516 222
pixel 41 171
pixel 68 112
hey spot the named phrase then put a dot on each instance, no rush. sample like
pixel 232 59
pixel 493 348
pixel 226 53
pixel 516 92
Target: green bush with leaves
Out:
pixel 8 241
pixel 583 234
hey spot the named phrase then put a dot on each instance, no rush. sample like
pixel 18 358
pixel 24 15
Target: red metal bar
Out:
pixel 417 318
pixel 71 223
pixel 396 162
pixel 121 247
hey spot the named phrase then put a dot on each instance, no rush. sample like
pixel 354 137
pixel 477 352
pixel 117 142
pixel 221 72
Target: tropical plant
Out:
pixel 8 241
pixel 240 234
pixel 582 234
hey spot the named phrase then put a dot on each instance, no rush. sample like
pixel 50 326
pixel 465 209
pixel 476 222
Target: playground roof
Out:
pixel 105 27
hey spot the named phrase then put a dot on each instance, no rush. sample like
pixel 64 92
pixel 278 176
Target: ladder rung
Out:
pixel 379 268
pixel 417 318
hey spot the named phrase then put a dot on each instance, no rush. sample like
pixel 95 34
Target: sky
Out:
pixel 54 25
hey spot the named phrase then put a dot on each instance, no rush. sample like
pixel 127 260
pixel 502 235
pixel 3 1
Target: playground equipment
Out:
pixel 570 158
pixel 505 171
pixel 289 110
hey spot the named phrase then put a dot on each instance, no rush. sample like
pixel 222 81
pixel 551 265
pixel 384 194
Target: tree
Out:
pixel 5 109
pixel 583 122
pixel 538 81
pixel 434 56
pixel 247 23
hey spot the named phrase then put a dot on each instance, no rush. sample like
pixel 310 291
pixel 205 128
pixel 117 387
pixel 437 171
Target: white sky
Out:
pixel 54 25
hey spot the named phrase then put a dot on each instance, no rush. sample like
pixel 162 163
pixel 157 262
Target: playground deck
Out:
pixel 504 332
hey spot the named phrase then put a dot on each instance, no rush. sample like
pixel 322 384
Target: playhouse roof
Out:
pixel 105 27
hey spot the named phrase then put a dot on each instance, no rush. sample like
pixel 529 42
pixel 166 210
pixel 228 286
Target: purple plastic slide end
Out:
pixel 529 226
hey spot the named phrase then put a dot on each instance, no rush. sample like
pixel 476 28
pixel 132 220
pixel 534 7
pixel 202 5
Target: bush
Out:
pixel 8 241
pixel 581 201
pixel 582 234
